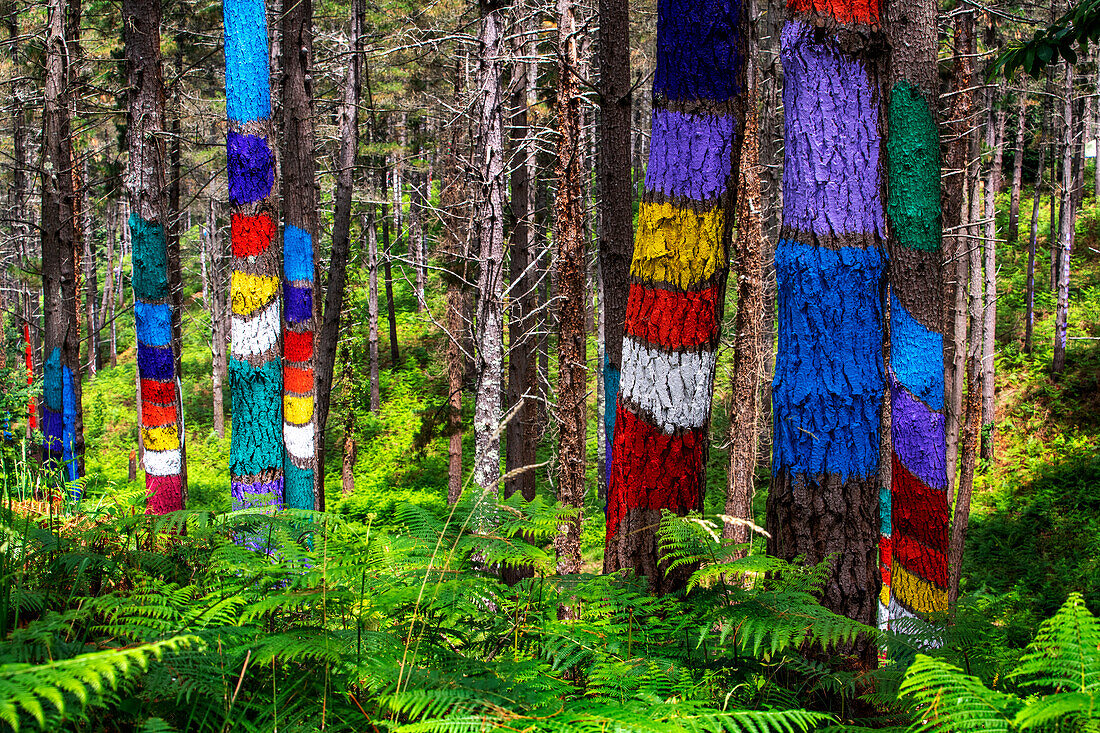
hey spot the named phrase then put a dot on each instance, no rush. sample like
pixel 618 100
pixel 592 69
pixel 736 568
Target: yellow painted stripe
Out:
pixel 251 292
pixel 297 410
pixel 677 246
pixel 884 595
pixel 915 593
pixel 164 438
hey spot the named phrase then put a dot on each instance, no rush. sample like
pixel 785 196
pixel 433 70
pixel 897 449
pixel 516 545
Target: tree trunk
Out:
pixel 61 448
pixel 995 140
pixel 572 287
pixel 255 370
pixel 151 215
pixel 748 344
pixel 616 243
pixel 677 289
pixel 1068 226
pixel 913 545
pixel 372 306
pixel 304 484
pixel 1033 237
pixel 91 277
pixel 212 285
pixel 830 269
pixel 395 354
pixel 1017 172
pixel 329 335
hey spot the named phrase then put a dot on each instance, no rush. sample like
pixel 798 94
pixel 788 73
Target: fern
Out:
pixel 28 689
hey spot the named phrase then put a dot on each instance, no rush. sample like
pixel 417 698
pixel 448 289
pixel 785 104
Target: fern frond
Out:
pixel 949 700
pixel 1065 655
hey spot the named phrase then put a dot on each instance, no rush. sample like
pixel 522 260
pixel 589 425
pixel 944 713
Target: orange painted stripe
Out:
pixel 154 415
pixel 297 380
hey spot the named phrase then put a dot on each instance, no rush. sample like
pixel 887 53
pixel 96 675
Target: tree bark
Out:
pixel 995 140
pixel 616 244
pixel 1068 226
pixel 372 306
pixel 1017 171
pixel 1033 237
pixel 302 438
pixel 255 369
pixel 91 278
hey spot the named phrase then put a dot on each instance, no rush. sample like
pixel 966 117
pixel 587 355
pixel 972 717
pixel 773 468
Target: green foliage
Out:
pixel 1056 685
pixel 1077 26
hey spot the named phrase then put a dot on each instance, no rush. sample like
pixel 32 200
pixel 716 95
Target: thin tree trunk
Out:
pixel 1033 237
pixel 212 284
pixel 255 369
pixel 91 278
pixel 1017 171
pixel 304 483
pixel 372 306
pixel 395 354
pixel 1068 226
pixel 572 340
pixel 995 141
pixel 329 335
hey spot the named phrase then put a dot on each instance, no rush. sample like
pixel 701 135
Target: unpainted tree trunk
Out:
pixel 1068 225
pixel 995 140
pixel 91 277
pixel 1017 171
pixel 212 287
pixel 1033 236
pixel 372 306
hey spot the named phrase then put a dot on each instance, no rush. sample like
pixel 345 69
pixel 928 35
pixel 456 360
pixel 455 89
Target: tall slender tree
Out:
pixel 678 277
pixel 161 412
pixel 255 371
pixel 830 268
pixel 304 483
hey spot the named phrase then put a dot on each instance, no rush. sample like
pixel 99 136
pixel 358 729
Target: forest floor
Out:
pixel 1035 524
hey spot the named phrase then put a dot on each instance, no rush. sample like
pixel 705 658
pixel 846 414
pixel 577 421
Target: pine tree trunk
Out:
pixel 489 220
pixel 255 369
pixel 678 273
pixel 329 336
pixel 1033 236
pixel 1017 171
pixel 372 306
pixel 616 213
pixel 830 270
pixel 995 141
pixel 395 354
pixel 304 484
pixel 1066 235
pixel 212 284
pixel 91 278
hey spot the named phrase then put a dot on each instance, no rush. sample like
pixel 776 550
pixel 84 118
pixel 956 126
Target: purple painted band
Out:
pixel 920 439
pixel 298 303
pixel 690 155
pixel 251 168
pixel 247 495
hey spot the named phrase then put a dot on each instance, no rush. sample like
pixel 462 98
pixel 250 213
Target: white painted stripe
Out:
pixel 674 388
pixel 254 336
pixel 162 462
pixel 298 440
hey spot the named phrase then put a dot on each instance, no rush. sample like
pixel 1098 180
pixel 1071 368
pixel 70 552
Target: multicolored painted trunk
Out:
pixel 829 375
pixel 677 280
pixel 32 417
pixel 299 427
pixel 255 372
pixel 59 421
pixel 913 546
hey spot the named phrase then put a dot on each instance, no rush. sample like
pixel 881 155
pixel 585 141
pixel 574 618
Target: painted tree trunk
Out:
pixel 304 484
pixel 748 344
pixel 1064 244
pixel 162 433
pixel 329 330
pixel 255 369
pixel 830 269
pixel 1017 171
pixel 677 282
pixel 615 201
pixel 60 449
pixel 913 545
pixel 489 220
pixel 569 235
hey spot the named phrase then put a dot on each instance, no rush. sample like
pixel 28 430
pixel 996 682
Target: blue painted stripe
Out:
pixel 698 50
pixel 916 355
pixel 299 486
pixel 297 254
pixel 251 168
pixel 829 378
pixel 297 304
pixel 611 377
pixel 156 362
pixel 68 431
pixel 247 79
pixel 52 387
pixel 257 417
pixel 154 324
pixel 885 507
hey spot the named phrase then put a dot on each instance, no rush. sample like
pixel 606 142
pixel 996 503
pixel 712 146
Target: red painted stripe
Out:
pixel 919 512
pixel 250 235
pixel 884 571
pixel 297 346
pixel 845 11
pixel 672 319
pixel 652 470
pixel 31 417
pixel 162 393
pixel 884 552
pixel 921 561
pixel 163 494
pixel 297 380
pixel 155 416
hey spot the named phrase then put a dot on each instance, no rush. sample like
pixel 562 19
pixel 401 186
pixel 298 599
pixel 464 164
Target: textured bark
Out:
pixel 387 259
pixel 62 444
pixel 1017 171
pixel 677 288
pixel 913 542
pixel 748 344
pixel 304 483
pixel 372 307
pixel 995 141
pixel 615 201
pixel 824 500
pixel 571 280
pixel 489 221
pixel 955 221
pixel 213 286
pixel 91 278
pixel 329 332
pixel 255 368
pixel 1068 225
pixel 1033 236
pixel 161 413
